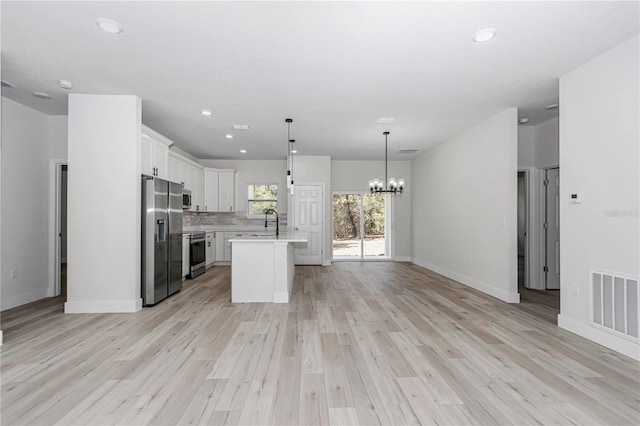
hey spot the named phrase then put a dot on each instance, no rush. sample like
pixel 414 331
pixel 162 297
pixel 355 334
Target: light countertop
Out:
pixel 288 237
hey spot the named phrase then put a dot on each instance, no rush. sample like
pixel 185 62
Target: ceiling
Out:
pixel 333 67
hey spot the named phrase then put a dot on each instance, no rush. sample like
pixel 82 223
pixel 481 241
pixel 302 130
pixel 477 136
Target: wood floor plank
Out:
pixel 359 343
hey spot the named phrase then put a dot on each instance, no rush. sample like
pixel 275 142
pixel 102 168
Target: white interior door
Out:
pixel 552 225
pixel 308 218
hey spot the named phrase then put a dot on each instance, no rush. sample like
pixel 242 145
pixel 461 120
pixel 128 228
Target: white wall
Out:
pixel 547 137
pixel 104 204
pixel 526 146
pixel 538 145
pixel 599 157
pixel 25 151
pixel 255 171
pixel 355 176
pixel 464 206
pixel 58 137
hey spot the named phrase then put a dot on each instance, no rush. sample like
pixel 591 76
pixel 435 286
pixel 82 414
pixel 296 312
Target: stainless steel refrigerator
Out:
pixel 161 239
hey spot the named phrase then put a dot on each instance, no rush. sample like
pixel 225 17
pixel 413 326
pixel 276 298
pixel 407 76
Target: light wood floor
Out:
pixel 361 343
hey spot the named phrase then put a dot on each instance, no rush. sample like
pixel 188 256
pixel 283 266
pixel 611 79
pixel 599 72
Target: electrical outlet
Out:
pixel 469 260
pixel 13 273
pixel 575 289
pixel 502 221
pixel 280 260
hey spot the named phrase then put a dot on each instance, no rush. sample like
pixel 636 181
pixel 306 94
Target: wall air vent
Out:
pixel 407 151
pixel 614 304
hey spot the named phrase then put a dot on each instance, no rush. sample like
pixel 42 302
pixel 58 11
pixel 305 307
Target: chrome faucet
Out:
pixel 266 220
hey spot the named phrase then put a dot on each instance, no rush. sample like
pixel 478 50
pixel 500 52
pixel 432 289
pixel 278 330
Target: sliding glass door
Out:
pixel 359 226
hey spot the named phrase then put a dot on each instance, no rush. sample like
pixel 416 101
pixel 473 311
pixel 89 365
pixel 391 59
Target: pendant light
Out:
pixel 290 143
pixel 388 186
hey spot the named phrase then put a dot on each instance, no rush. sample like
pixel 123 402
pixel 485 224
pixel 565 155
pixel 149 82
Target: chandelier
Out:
pixel 389 185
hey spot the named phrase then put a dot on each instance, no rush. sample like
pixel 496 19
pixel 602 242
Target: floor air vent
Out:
pixel 615 303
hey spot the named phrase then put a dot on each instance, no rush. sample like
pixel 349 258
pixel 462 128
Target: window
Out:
pixel 262 198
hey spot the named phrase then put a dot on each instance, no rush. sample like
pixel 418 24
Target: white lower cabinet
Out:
pixel 186 241
pixel 210 248
pixel 220 242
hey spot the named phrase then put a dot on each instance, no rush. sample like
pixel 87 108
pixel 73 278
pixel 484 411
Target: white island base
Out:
pixel 262 268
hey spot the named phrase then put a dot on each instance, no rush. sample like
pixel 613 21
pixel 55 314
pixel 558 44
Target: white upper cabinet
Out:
pixel 210 190
pixel 219 190
pixel 197 192
pixel 154 153
pixel 226 190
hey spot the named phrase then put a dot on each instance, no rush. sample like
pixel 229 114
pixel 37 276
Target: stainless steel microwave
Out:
pixel 186 199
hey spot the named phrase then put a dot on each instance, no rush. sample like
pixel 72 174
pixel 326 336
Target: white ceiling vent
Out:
pixel 407 151
pixel 241 126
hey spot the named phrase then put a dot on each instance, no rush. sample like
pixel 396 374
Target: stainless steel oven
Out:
pixel 197 254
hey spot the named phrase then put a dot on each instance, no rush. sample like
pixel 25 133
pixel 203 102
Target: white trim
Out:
pixel 24 298
pixel 505 296
pixel 1 338
pixel 604 338
pixel 402 259
pixel 280 297
pixel 53 286
pixel 149 133
pixel 326 262
pixel 102 306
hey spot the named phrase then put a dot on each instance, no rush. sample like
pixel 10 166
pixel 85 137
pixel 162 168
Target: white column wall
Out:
pixel 104 204
pixel 599 158
pixel 464 204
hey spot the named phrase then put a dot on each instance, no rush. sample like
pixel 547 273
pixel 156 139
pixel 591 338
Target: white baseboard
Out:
pixel 402 259
pixel 23 299
pixel 611 341
pixel 326 263
pixel 280 297
pixel 505 296
pixel 100 306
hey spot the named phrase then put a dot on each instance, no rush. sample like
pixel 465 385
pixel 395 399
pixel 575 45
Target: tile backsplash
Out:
pixel 225 218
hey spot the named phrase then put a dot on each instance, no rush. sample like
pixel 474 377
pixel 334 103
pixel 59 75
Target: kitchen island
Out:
pixel 262 267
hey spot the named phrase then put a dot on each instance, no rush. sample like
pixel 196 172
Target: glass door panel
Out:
pixel 374 225
pixel 347 236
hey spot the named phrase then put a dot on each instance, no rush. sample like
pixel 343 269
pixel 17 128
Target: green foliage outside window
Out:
pixel 346 215
pixel 263 198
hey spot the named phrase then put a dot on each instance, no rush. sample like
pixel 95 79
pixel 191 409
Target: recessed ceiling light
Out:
pixel 65 84
pixel 385 120
pixel 243 151
pixel 228 136
pixel 42 95
pixel 485 34
pixel 206 112
pixel 552 106
pixel 109 25
pixel 241 126
pixel 294 151
pixel 523 120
